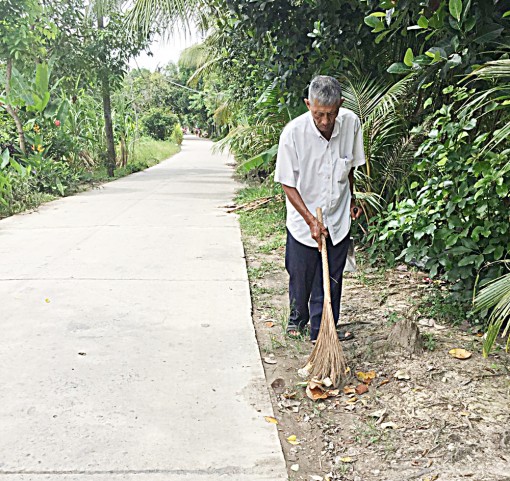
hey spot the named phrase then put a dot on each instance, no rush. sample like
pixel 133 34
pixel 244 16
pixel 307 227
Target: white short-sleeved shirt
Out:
pixel 319 170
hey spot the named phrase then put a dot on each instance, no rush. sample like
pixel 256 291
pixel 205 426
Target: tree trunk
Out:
pixel 123 151
pixel 107 111
pixel 12 112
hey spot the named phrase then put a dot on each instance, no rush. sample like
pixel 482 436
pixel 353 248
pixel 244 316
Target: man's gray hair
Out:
pixel 324 90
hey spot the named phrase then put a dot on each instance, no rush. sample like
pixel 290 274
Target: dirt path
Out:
pixel 423 417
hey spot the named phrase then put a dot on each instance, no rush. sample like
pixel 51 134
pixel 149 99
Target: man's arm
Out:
pixel 355 210
pixel 316 228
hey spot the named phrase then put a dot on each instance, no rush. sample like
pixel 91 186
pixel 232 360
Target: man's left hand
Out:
pixel 355 211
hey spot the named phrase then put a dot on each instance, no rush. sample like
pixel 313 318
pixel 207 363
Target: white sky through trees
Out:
pixel 165 50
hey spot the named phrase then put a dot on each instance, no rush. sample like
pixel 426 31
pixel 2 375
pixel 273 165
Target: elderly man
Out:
pixel 317 155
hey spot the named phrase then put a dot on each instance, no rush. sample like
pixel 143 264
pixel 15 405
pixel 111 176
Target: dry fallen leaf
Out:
pixel 361 389
pixel 389 425
pixel 327 382
pixel 270 360
pixel 271 419
pixel 378 414
pixel 349 390
pixel 315 392
pixel 366 377
pixel 289 395
pixel 460 353
pixel 347 459
pixel 269 324
pixel 47 301
pixel 352 400
pixel 383 382
pixel 402 375
pixel 304 372
pixel 293 440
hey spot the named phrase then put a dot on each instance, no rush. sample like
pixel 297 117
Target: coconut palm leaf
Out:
pixel 495 296
pixel 145 15
pixel 498 69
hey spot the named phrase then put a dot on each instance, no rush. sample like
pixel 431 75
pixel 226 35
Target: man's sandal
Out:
pixel 294 333
pixel 345 335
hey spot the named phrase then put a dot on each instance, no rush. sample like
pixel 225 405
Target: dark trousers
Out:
pixel 306 291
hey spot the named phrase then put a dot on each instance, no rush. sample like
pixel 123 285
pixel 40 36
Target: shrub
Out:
pixel 456 220
pixel 159 123
pixel 177 135
pixel 51 176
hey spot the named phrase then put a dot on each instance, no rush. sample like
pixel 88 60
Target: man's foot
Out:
pixel 345 336
pixel 294 332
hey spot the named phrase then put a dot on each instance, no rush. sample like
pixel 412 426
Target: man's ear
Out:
pixel 307 102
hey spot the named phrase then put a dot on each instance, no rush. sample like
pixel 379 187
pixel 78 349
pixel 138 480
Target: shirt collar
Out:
pixel 336 128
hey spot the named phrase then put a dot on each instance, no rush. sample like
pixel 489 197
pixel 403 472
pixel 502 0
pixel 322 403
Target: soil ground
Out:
pixel 424 417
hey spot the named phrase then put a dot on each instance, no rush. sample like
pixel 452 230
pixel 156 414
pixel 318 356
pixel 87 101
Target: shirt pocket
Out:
pixel 341 168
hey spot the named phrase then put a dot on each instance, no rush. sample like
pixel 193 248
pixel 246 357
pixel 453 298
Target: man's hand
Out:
pixel 355 210
pixel 317 230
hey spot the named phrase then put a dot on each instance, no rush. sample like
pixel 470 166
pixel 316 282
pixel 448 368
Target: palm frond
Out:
pixel 495 296
pixel 166 15
pixel 203 70
pixel 497 69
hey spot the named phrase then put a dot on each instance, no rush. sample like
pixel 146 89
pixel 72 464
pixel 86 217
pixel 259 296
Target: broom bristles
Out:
pixel 327 358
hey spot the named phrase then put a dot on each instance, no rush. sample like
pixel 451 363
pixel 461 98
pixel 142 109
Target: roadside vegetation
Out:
pixel 430 83
pixel 70 112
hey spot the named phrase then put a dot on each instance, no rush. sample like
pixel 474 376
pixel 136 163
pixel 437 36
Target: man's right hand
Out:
pixel 318 230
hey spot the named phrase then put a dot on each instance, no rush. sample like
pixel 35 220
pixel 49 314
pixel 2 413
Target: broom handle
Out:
pixel 325 265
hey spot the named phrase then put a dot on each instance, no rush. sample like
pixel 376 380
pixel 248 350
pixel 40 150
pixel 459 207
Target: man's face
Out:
pixel 324 115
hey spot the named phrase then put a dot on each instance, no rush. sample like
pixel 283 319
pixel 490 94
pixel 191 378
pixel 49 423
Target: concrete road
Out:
pixel 127 348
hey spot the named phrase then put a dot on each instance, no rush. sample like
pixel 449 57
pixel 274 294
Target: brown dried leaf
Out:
pixel 361 389
pixel 269 324
pixel 349 390
pixel 315 392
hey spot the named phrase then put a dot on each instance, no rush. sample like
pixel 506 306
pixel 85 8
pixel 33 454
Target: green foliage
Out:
pixel 177 135
pixel 52 177
pixel 456 219
pixel 444 36
pixel 159 123
pixel 495 296
pixel 267 221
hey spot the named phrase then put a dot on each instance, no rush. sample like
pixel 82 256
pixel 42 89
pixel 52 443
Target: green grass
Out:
pixel 147 153
pixel 152 151
pixel 266 223
pixel 261 271
pixel 429 341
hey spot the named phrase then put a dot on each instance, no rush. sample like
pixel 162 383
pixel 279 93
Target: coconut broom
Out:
pixel 327 359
